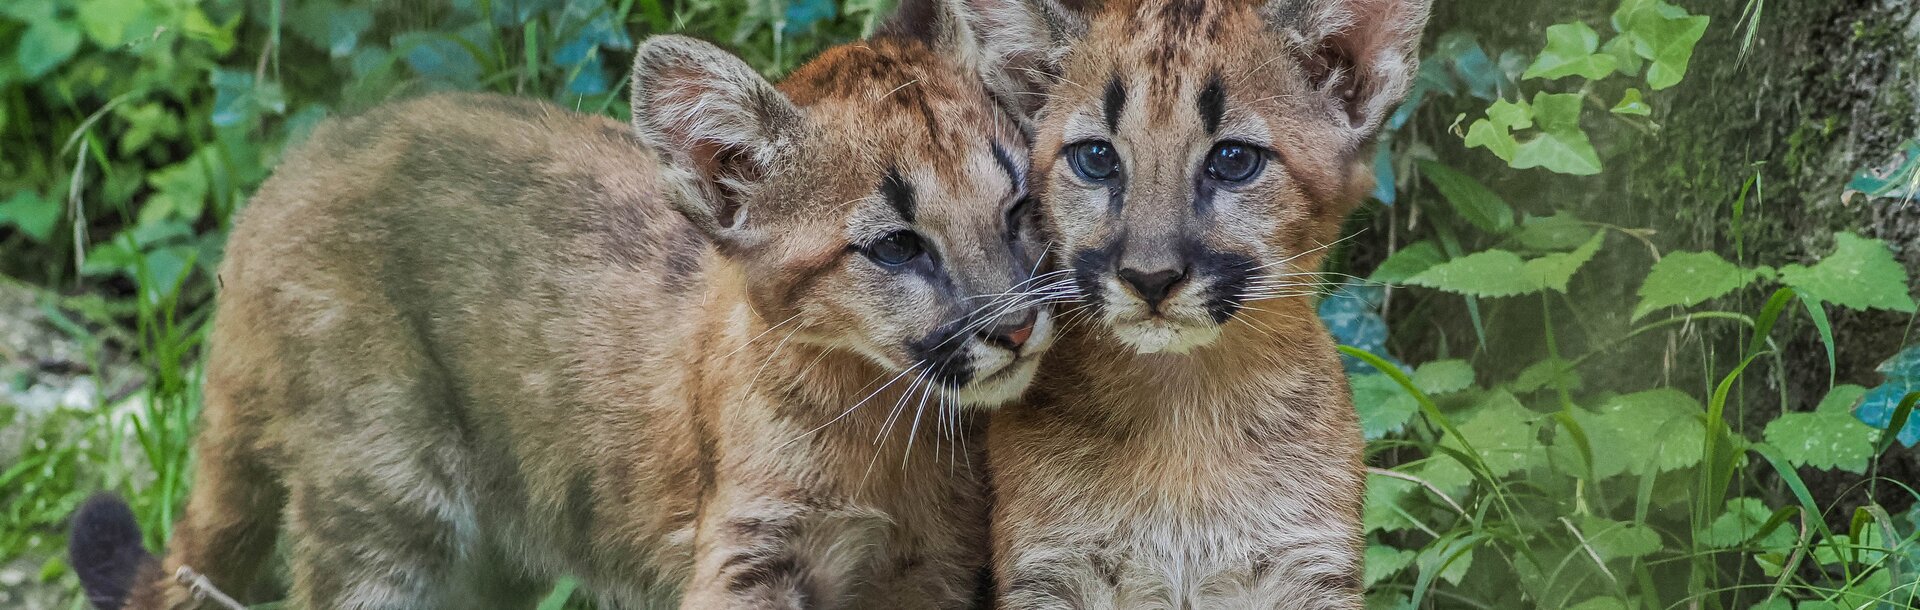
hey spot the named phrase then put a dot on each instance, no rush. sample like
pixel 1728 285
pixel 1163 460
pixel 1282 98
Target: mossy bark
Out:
pixel 1824 89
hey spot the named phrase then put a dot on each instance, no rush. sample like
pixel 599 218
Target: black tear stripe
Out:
pixel 1088 266
pixel 1213 104
pixel 1006 163
pixel 898 192
pixel 1226 273
pixel 1116 100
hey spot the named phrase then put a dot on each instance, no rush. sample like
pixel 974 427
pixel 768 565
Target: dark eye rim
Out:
pixel 1074 161
pixel 1260 154
pixel 916 248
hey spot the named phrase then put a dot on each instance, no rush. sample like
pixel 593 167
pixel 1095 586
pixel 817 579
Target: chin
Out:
pixel 1003 386
pixel 1160 335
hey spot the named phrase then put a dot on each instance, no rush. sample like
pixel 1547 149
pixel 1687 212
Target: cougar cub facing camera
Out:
pixel 469 343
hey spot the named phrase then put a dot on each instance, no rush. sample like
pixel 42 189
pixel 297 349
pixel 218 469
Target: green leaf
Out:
pixel 1497 140
pixel 1600 603
pixel 45 45
pixel 1383 406
pixel 1407 262
pixel 1443 376
pixel 1385 499
pixel 1472 200
pixel 1619 540
pixel 1502 431
pixel 1383 562
pixel 1489 273
pixel 1662 426
pixel 1510 115
pixel 1555 270
pixel 1564 152
pixel 1743 519
pixel 1860 274
pixel 1686 279
pixel 112 22
pixel 1632 104
pixel 1450 558
pixel 1621 48
pixel 1500 273
pixel 1569 52
pixel 1557 233
pixel 1830 437
pixel 1547 373
pixel 32 214
pixel 1665 35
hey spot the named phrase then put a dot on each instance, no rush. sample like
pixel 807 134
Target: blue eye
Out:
pixel 1094 161
pixel 1234 162
pixel 896 249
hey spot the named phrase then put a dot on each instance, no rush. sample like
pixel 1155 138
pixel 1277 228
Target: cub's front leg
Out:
pixel 781 556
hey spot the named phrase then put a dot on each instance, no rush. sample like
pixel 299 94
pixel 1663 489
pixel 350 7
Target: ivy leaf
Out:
pixel 1474 201
pixel 1621 48
pixel 1827 438
pixel 328 25
pixel 1551 372
pixel 1663 34
pixel 1860 274
pixel 1384 561
pixel 1561 146
pixel 1559 232
pixel 1632 104
pixel 107 21
pixel 1496 139
pixel 1564 152
pixel 1686 279
pixel 1555 270
pixel 1449 557
pixel 1408 262
pixel 1569 52
pixel 1383 406
pixel 1619 540
pixel 1600 603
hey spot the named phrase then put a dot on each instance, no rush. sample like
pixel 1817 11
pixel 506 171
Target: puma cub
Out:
pixel 469 343
pixel 1192 445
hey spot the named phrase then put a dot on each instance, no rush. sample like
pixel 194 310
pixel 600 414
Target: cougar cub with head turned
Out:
pixel 469 343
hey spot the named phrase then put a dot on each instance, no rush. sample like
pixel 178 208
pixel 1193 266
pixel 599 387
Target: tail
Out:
pixel 106 552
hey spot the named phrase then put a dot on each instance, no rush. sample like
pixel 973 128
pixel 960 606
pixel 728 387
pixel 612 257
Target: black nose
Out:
pixel 1152 286
pixel 1010 332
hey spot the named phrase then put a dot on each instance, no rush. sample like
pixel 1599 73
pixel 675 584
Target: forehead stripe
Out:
pixel 898 192
pixel 1213 104
pixel 1116 99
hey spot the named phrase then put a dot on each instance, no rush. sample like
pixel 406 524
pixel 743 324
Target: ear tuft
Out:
pixel 1015 45
pixel 711 116
pixel 1363 54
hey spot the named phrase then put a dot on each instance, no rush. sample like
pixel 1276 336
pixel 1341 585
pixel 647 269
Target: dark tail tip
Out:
pixel 106 551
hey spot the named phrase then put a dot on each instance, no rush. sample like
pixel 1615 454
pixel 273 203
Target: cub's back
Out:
pixel 433 232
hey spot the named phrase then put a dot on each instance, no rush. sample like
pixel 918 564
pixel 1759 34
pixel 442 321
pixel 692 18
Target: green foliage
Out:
pixel 1505 481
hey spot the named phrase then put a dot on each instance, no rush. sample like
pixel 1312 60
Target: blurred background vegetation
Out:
pixel 1627 317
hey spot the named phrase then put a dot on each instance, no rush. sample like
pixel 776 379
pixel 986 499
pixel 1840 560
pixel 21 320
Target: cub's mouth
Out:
pixel 985 365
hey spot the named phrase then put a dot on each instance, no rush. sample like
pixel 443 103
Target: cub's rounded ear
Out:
pixel 1015 45
pixel 1361 54
pixel 717 124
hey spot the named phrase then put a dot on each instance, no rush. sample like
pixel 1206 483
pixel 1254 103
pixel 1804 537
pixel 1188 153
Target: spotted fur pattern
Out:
pixel 469 343
pixel 1197 450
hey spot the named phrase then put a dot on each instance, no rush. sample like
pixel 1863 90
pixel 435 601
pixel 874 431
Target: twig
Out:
pixel 203 589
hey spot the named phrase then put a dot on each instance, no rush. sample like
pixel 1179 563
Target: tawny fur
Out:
pixel 466 344
pixel 1202 452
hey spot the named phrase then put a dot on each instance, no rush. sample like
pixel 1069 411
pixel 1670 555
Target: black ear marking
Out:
pixel 1213 104
pixel 898 192
pixel 1116 100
